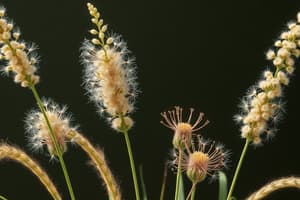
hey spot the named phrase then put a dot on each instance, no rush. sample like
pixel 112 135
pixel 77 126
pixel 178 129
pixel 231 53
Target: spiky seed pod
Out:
pixel 202 159
pixel 182 130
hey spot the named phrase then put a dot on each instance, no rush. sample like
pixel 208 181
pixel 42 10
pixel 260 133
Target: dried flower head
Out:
pixel 20 57
pixel 202 159
pixel 109 70
pixel 261 108
pixel 39 133
pixel 182 130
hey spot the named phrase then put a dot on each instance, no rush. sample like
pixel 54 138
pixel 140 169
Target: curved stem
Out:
pixel 19 156
pixel 236 174
pixel 178 177
pixel 54 139
pixel 98 160
pixel 2 197
pixel 133 171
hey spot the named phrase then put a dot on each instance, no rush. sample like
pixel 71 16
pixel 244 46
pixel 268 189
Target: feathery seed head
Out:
pixel 19 58
pixel 109 77
pixel 182 130
pixel 39 133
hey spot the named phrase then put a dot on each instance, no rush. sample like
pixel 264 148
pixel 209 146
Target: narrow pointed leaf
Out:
pixel 222 186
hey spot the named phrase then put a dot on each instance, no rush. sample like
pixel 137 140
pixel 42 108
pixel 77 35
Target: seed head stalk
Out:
pixel 193 191
pixel 132 165
pixel 178 177
pixel 236 173
pixel 54 140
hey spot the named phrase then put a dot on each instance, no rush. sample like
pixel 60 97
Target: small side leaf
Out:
pixel 222 186
pixel 181 189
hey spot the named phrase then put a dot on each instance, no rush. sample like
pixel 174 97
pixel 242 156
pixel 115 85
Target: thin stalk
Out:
pixel 133 171
pixel 236 174
pixel 178 175
pixel 193 193
pixel 3 198
pixel 163 185
pixel 54 139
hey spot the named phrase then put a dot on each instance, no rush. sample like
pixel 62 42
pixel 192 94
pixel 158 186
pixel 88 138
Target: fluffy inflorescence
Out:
pixel 109 73
pixel 20 58
pixel 182 130
pixel 261 108
pixel 203 158
pixel 38 130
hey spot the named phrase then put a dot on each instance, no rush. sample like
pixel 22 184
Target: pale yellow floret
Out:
pixel 15 53
pixel 277 61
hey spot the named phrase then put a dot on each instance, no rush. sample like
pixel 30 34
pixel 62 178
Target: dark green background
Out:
pixel 201 54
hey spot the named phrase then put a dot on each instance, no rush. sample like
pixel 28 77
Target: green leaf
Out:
pixel 3 198
pixel 181 189
pixel 144 197
pixel 222 186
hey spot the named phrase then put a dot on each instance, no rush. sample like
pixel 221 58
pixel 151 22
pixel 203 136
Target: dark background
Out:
pixel 201 54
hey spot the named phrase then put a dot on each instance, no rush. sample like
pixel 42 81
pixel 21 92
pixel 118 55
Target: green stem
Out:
pixel 178 174
pixel 133 171
pixel 236 174
pixel 3 198
pixel 55 142
pixel 193 192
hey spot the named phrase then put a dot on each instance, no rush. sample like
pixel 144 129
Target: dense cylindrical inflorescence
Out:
pixel 109 73
pixel 20 58
pixel 262 106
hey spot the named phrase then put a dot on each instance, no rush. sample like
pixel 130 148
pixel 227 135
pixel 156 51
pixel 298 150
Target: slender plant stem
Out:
pixel 236 173
pixel 178 177
pixel 3 198
pixel 54 139
pixel 133 171
pixel 163 185
pixel 193 192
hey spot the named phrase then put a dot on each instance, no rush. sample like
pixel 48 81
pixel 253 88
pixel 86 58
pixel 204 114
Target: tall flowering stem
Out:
pixel 178 176
pixel 57 148
pixel 236 173
pixel 262 107
pixel 124 129
pixel 21 61
pixel 110 80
